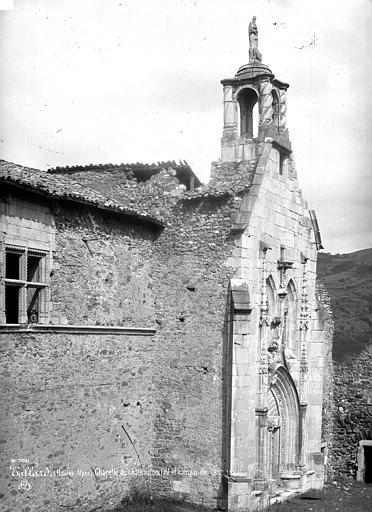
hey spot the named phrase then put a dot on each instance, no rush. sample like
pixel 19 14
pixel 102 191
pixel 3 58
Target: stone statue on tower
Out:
pixel 254 53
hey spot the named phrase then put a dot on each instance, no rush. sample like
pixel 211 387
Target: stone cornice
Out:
pixel 76 329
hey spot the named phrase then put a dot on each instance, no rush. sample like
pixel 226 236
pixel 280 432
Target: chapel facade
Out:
pixel 169 336
pixel 283 439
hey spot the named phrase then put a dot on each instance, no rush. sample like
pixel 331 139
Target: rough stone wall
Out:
pixel 228 172
pixel 155 195
pixel 352 410
pixel 110 183
pixel 78 405
pixel 110 272
pixel 101 270
pixel 74 407
pixel 348 279
pixel 191 282
pixel 82 391
pixel 326 315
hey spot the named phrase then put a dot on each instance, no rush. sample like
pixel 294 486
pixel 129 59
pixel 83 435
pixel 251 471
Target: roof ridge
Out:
pixel 160 164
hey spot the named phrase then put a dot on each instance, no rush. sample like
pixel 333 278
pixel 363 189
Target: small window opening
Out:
pixel 247 100
pixel 24 285
pixel 34 275
pixel 12 265
pixel 33 268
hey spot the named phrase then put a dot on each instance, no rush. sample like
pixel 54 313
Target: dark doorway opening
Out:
pixel 368 464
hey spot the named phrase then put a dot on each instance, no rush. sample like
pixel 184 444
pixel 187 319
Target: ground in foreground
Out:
pixel 341 495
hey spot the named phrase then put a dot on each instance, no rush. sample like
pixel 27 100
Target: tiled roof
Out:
pixel 103 167
pixel 140 171
pixel 63 187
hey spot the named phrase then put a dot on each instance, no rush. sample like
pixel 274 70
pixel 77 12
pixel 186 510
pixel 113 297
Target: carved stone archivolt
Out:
pixel 286 398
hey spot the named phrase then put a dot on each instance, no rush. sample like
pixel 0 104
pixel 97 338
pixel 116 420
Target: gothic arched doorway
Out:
pixel 283 424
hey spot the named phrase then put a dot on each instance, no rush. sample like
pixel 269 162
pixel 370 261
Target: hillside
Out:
pixel 348 278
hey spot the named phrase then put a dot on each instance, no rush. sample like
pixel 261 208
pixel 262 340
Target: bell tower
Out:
pixel 254 107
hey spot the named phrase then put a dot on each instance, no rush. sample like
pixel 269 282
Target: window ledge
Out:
pixel 77 329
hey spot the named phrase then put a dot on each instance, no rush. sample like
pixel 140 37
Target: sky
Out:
pixel 111 81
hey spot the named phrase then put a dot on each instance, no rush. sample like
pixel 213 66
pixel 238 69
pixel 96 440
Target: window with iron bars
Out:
pixel 25 286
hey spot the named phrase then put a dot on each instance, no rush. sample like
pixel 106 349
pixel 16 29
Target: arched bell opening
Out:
pixel 249 115
pixel 276 109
